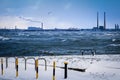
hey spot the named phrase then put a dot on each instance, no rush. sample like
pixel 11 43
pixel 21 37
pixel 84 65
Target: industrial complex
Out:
pixel 97 28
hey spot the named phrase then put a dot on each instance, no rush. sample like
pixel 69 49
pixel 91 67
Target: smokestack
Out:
pixel 97 20
pixel 117 26
pixel 104 20
pixel 42 25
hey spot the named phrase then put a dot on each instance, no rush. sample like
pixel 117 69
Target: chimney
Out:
pixel 104 20
pixel 42 25
pixel 97 20
pixel 115 26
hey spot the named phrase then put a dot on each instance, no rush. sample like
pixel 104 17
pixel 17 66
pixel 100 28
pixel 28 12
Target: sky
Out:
pixel 58 13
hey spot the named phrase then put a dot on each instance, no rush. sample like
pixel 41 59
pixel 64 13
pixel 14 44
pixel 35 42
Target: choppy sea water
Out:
pixel 32 43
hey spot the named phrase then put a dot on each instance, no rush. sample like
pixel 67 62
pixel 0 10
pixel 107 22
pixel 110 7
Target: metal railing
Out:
pixel 91 51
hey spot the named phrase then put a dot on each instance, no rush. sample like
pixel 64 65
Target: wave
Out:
pixel 114 45
pixel 2 38
pixel 63 42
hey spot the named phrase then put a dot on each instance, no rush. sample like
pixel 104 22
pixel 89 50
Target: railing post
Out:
pixel 16 67
pixel 6 62
pixel 45 65
pixel 53 71
pixel 2 66
pixel 45 62
pixel 25 64
pixel 65 72
pixel 36 63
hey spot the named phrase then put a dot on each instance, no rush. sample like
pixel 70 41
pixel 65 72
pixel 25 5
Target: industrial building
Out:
pixel 99 26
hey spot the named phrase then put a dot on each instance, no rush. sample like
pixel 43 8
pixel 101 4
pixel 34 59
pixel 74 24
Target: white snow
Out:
pixel 98 67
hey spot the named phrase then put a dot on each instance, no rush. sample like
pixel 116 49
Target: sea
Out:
pixel 45 43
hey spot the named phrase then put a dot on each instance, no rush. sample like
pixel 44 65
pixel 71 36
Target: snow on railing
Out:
pixel 25 59
pixel 36 61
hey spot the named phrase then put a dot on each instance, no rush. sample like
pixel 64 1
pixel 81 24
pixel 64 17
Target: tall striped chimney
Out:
pixel 104 20
pixel 97 20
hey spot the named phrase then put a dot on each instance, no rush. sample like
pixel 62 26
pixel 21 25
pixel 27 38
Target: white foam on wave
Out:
pixel 23 34
pixel 64 40
pixel 113 40
pixel 4 38
pixel 115 45
pixel 109 34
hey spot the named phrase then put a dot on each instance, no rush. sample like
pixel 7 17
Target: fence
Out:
pixel 36 63
pixel 91 51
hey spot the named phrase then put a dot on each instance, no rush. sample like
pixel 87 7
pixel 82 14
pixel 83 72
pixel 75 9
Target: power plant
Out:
pixel 116 27
pixel 104 26
pixel 98 27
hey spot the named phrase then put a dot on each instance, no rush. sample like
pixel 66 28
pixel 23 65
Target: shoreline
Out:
pixel 98 67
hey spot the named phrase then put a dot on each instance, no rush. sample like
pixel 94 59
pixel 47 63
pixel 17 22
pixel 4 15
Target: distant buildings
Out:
pixel 99 28
pixel 116 27
pixel 34 28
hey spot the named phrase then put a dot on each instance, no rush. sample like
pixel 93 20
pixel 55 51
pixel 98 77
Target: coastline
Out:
pixel 98 67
